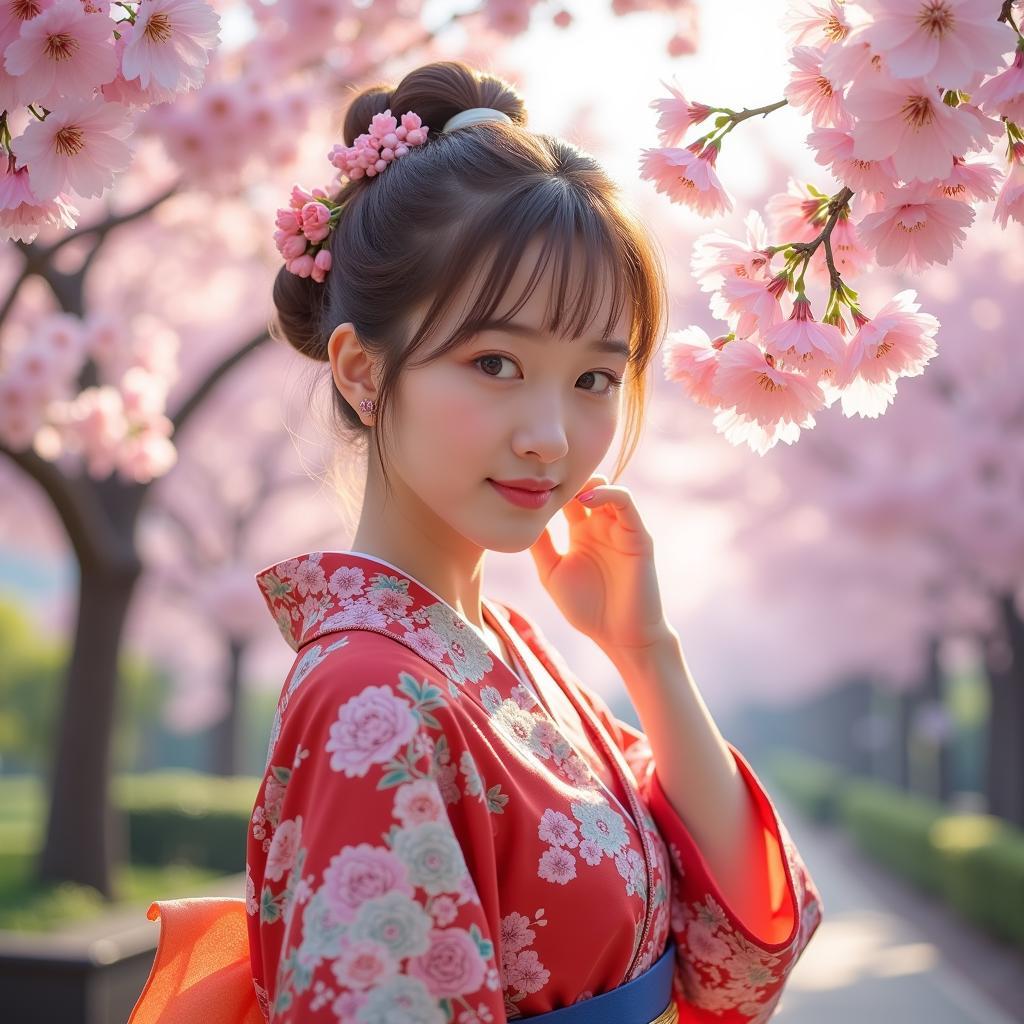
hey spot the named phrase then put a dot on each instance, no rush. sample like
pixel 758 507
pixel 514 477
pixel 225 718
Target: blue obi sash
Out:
pixel 643 1000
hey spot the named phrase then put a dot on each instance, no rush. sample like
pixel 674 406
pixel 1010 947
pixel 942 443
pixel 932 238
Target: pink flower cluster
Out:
pixel 384 141
pixel 119 424
pixel 900 96
pixel 88 72
pixel 303 226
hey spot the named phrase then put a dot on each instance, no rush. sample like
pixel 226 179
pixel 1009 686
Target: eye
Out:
pixel 614 382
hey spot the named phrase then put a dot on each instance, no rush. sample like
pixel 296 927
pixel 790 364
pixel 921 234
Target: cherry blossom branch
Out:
pixel 806 250
pixel 195 399
pixel 1006 15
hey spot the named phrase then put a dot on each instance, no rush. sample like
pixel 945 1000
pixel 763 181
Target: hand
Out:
pixel 605 584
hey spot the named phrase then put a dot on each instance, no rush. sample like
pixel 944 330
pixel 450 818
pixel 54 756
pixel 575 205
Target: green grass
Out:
pixel 27 906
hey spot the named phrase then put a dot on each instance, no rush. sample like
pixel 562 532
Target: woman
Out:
pixel 452 826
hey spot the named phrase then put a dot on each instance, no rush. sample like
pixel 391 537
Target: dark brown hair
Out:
pixel 415 234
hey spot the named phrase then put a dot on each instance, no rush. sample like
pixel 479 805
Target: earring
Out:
pixel 366 404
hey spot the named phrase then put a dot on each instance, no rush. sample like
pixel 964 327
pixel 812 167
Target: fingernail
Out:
pixel 585 496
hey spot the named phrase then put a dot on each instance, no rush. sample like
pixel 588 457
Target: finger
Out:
pixel 619 501
pixel 575 511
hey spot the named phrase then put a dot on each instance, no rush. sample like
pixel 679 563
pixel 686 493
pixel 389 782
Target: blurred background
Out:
pixel 850 606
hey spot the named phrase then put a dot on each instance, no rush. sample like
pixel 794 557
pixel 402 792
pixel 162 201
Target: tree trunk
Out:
pixel 82 835
pixel 934 690
pixel 1004 764
pixel 224 755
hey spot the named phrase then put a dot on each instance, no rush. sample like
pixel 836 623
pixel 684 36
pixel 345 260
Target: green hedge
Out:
pixel 974 862
pixel 982 872
pixel 894 828
pixel 186 818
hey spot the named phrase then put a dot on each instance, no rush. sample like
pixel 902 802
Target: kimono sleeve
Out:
pixel 730 972
pixel 361 902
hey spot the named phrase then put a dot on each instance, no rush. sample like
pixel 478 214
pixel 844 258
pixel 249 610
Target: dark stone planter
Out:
pixel 90 974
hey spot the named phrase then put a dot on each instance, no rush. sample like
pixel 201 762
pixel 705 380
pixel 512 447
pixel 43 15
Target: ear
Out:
pixel 353 369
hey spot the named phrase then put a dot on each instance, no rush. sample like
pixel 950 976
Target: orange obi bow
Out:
pixel 201 970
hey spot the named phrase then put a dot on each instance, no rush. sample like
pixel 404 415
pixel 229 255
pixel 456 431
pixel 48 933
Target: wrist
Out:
pixel 665 642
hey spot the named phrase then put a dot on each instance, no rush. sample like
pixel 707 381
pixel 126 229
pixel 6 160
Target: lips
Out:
pixel 521 496
pixel 527 485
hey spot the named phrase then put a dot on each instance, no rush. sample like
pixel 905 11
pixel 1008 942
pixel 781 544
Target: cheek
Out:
pixel 445 416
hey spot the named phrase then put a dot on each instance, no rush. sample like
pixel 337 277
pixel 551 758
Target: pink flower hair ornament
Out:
pixel 304 225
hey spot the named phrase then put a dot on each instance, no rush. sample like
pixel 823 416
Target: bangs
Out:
pixel 490 249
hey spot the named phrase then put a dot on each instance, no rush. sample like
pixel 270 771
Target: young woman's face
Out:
pixel 508 403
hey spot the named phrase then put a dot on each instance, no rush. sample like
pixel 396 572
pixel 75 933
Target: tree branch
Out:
pixel 192 403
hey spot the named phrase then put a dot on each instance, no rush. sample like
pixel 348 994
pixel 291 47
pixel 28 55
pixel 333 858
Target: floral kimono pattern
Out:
pixel 434 841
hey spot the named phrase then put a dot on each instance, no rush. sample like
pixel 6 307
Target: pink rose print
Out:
pixel 452 966
pixel 557 865
pixel 526 972
pixel 557 829
pixel 359 873
pixel 516 932
pixel 444 909
pixel 283 847
pixel 591 852
pixel 364 963
pixel 418 801
pixel 370 729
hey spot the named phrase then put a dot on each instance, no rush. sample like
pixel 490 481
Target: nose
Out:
pixel 543 433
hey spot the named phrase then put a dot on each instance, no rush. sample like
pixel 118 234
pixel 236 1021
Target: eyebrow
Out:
pixel 613 345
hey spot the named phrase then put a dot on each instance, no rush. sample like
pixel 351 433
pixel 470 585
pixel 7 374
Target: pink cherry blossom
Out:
pixel 794 215
pixel 917 227
pixel 852 61
pixel 817 25
pixel 906 119
pixel 1003 94
pixel 898 341
pixel 687 176
pixel 716 255
pixel 21 214
pixel 833 148
pixel 747 305
pixel 974 181
pixel 79 145
pixel 64 51
pixel 170 43
pixel 691 358
pixel 810 90
pixel 21 415
pixel 676 114
pixel 739 429
pixel 1011 197
pixel 747 380
pixel 131 92
pixel 802 343
pixel 947 40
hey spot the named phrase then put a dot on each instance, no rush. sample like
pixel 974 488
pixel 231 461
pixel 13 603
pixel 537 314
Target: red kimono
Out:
pixel 437 838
